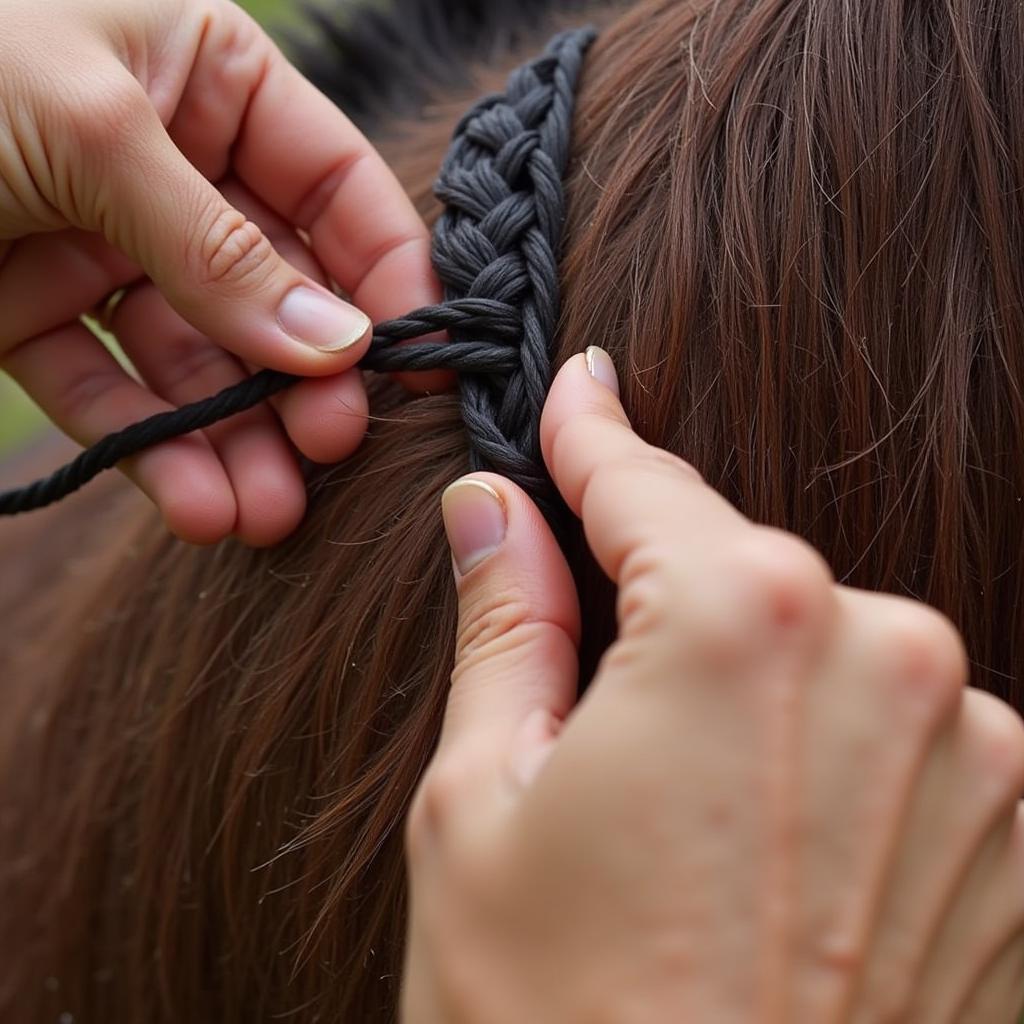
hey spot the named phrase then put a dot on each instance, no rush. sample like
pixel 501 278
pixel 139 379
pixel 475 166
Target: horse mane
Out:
pixel 208 753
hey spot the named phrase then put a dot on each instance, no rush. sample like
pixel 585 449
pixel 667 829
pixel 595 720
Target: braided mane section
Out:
pixel 499 239
pixel 495 249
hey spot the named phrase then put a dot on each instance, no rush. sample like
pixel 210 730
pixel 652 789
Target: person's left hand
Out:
pixel 167 147
pixel 777 800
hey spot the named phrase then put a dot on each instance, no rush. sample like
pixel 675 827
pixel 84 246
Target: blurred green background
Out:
pixel 267 11
pixel 19 418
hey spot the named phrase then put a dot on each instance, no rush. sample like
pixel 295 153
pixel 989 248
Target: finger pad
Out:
pixel 191 490
pixel 326 418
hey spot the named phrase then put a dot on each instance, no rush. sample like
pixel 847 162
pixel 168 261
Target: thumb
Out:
pixel 516 664
pixel 214 266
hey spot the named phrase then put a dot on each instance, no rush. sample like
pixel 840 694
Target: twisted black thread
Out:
pixel 496 251
pixel 499 236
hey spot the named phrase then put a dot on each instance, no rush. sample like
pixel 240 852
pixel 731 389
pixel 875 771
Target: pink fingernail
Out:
pixel 475 520
pixel 602 369
pixel 320 320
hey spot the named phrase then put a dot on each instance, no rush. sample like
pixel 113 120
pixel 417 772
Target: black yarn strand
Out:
pixel 495 248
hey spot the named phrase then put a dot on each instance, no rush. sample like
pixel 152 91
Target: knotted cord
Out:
pixel 495 248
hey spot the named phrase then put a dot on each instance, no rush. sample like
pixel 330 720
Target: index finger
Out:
pixel 310 163
pixel 299 154
pixel 629 494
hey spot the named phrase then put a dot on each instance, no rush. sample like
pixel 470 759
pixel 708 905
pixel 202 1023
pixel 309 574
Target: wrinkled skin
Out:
pixel 167 147
pixel 777 802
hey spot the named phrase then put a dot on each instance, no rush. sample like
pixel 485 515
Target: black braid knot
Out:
pixel 499 236
pixel 495 250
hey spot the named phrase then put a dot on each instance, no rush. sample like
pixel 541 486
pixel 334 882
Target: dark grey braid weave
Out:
pixel 499 236
pixel 496 252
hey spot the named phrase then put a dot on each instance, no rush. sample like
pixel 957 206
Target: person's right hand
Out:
pixel 167 147
pixel 777 802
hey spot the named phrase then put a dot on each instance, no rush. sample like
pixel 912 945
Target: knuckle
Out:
pixel 608 478
pixel 107 114
pixel 233 250
pixel 490 626
pixel 658 461
pixel 839 955
pixel 998 731
pixel 85 391
pixel 623 470
pixel 767 585
pixel 650 586
pixel 441 791
pixel 239 49
pixel 923 655
pixel 779 578
pixel 388 246
pixel 189 360
pixel 579 430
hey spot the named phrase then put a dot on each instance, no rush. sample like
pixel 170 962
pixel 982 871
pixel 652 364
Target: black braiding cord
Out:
pixel 495 250
pixel 499 236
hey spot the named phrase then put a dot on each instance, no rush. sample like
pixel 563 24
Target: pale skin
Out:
pixel 778 801
pixel 167 146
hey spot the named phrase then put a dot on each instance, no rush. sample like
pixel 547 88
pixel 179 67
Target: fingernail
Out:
pixel 602 369
pixel 475 521
pixel 321 320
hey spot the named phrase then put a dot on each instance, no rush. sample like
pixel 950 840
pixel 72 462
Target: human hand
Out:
pixel 776 801
pixel 168 147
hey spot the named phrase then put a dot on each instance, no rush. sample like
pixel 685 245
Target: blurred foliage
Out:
pixel 19 418
pixel 270 12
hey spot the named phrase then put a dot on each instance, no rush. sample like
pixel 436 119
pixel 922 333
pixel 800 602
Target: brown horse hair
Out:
pixel 797 226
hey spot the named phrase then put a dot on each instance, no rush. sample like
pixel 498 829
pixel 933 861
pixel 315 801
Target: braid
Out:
pixel 496 252
pixel 498 238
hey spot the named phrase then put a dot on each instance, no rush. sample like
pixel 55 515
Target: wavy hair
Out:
pixel 795 224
